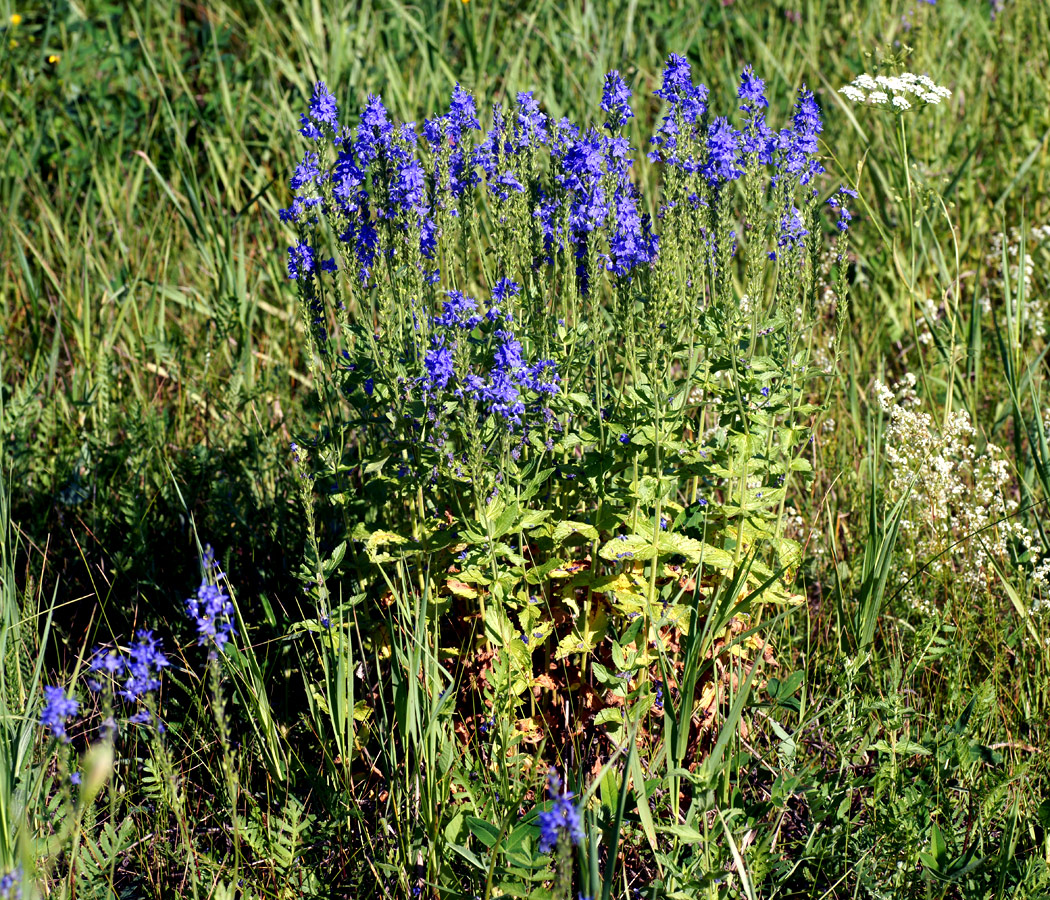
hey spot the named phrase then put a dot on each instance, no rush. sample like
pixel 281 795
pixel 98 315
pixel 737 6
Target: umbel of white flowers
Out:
pixel 895 90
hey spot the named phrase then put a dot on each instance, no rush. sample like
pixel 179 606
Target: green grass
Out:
pixel 153 376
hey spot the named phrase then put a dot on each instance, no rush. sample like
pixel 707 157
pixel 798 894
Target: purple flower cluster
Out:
pixel 837 202
pixel 757 138
pixel 11 885
pixel 137 674
pixel 57 709
pixel 798 142
pixel 687 106
pixel 377 173
pixel 499 391
pixel 211 608
pixel 563 820
pixel 616 101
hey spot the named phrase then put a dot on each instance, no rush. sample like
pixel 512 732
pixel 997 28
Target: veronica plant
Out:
pixel 552 400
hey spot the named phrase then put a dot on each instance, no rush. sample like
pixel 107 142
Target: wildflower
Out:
pixel 15 20
pixel 108 661
pixel 687 103
pixel 438 363
pixel 722 144
pixel 530 128
pixel 57 708
pixel 74 778
pixel 462 111
pixel 894 90
pixel 505 288
pixel 145 663
pixel 306 172
pixel 406 191
pixel 616 98
pixel 798 144
pixel 837 202
pixel 792 229
pixel 211 607
pixel 752 91
pixel 323 106
pixel 10 887
pixel 375 132
pixel 301 260
pixel 563 821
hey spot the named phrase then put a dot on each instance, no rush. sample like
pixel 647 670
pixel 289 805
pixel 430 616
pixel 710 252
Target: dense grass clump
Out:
pixel 463 450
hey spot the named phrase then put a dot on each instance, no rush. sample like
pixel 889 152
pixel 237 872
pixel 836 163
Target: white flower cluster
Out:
pixel 895 90
pixel 1033 315
pixel 956 496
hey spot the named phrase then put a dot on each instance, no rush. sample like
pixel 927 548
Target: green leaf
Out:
pixel 484 831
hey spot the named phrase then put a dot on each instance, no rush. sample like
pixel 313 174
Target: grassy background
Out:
pixel 150 348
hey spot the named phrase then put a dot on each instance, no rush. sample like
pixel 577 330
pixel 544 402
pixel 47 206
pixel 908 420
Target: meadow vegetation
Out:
pixel 626 480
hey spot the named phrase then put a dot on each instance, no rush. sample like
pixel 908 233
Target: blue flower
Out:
pixel 406 192
pixel 752 91
pixel 308 129
pixel 504 183
pixel 323 106
pixel 616 98
pixel 530 127
pixel 145 663
pixel 505 288
pixel 677 79
pixel 792 229
pixel 508 354
pixel 462 111
pixel 211 608
pixel 798 144
pixel 57 708
pixel 562 819
pixel 837 202
pixel 438 363
pixel 542 377
pixel 104 660
pixel 583 165
pixel 10 887
pixel 503 397
pixel 687 103
pixel 301 260
pixel 722 146
pixel 375 132
pixel 306 172
pixel 459 311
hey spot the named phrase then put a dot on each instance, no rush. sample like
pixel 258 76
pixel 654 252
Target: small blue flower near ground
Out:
pixel 57 708
pixel 563 818
pixel 10 886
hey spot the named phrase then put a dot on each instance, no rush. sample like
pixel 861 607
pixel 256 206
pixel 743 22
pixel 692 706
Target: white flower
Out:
pixel 893 84
pixel 893 89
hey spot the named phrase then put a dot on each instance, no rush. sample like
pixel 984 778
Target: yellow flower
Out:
pixel 12 43
pixel 16 19
pixel 53 58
